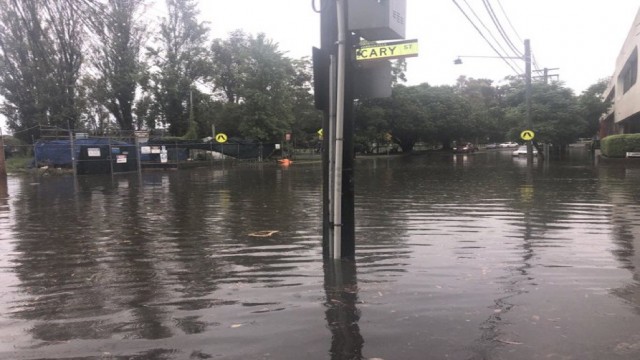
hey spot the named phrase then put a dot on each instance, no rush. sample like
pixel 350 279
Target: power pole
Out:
pixel 546 76
pixel 527 63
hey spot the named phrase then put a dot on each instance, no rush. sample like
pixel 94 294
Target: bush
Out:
pixel 616 146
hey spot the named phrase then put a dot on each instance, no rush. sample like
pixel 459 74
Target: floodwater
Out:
pixel 458 257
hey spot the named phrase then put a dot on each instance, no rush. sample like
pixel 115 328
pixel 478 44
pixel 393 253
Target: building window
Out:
pixel 629 73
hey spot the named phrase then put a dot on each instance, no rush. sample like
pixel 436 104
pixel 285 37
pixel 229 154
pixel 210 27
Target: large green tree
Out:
pixel 447 112
pixel 41 55
pixel 487 120
pixel 593 105
pixel 266 93
pixel 117 58
pixel 555 113
pixel 230 58
pixel 181 60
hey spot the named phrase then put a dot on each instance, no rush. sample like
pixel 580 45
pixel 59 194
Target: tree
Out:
pixel 372 124
pixel 118 58
pixel 267 91
pixel 68 29
pixel 229 60
pixel 41 47
pixel 593 105
pixel 446 112
pixel 306 119
pixel 181 60
pixel 406 116
pixel 487 121
pixel 555 113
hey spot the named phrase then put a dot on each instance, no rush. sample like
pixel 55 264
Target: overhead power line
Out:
pixel 485 38
pixel 509 21
pixel 491 34
pixel 498 25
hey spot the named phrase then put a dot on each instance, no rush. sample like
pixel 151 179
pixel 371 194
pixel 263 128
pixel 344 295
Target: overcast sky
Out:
pixel 581 38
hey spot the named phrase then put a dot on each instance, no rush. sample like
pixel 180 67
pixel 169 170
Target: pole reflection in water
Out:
pixel 4 192
pixel 341 288
pixel 465 257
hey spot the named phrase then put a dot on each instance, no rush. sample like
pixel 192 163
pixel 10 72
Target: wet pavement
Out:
pixel 458 257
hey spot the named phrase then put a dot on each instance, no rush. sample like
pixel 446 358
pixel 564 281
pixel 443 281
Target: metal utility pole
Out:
pixel 546 76
pixel 328 39
pixel 527 65
pixel 337 156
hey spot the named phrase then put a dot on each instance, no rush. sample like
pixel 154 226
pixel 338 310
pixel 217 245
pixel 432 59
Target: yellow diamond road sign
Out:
pixel 221 138
pixel 388 50
pixel 527 135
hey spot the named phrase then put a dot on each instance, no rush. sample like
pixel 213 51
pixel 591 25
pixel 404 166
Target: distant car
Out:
pixel 509 144
pixel 522 151
pixel 491 146
pixel 466 148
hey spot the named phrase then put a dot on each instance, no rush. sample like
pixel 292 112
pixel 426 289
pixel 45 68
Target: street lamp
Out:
pixel 527 78
pixel 458 61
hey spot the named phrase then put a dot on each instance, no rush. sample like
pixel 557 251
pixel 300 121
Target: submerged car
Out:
pixel 522 151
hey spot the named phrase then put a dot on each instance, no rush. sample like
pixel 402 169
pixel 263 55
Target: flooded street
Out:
pixel 457 257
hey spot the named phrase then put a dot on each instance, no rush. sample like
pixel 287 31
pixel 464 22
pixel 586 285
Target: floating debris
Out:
pixel 508 342
pixel 264 233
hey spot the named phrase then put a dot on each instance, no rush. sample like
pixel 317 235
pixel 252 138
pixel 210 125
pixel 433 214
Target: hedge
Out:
pixel 616 146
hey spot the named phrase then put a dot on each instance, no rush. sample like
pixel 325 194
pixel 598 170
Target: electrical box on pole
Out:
pixel 377 19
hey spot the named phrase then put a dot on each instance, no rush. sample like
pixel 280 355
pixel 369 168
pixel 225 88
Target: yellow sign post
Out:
pixel 320 133
pixel 389 50
pixel 527 135
pixel 221 138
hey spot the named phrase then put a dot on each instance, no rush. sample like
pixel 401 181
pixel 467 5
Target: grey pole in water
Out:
pixel 3 167
pixel 328 39
pixel 527 65
pixel 339 141
pixel 73 151
pixel 332 140
pixel 139 154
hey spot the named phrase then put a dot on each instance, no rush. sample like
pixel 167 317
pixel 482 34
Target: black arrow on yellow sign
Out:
pixel 221 138
pixel 527 135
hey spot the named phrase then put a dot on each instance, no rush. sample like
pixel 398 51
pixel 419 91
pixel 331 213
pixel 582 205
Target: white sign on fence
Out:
pixel 93 152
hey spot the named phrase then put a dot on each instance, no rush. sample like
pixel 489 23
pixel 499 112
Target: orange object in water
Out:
pixel 285 162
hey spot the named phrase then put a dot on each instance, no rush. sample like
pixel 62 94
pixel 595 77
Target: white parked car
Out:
pixel 509 144
pixel 522 150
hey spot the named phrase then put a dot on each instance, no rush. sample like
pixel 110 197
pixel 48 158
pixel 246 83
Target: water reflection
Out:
pixel 342 314
pixel 471 256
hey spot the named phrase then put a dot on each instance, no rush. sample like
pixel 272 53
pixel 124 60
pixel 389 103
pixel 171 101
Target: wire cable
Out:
pixel 485 38
pixel 509 21
pixel 501 31
pixel 491 34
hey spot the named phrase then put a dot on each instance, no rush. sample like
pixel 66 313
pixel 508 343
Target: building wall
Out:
pixel 624 87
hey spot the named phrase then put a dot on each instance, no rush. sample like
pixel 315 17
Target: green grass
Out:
pixel 17 164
